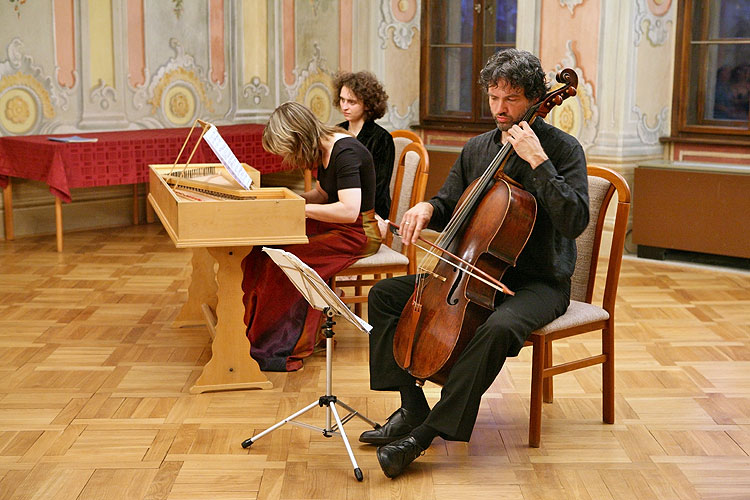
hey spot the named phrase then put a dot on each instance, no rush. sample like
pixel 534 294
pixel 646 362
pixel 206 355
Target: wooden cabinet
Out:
pixel 692 206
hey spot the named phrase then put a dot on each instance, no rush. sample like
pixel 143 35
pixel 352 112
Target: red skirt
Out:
pixel 281 325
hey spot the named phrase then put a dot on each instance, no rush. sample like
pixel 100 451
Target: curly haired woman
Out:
pixel 362 100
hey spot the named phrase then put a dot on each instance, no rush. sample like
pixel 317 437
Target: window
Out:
pixel 712 70
pixel 458 38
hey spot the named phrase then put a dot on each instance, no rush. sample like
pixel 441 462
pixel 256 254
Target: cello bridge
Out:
pixel 432 274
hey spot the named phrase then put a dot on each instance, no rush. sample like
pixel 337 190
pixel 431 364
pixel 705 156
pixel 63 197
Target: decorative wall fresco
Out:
pixel 578 116
pixel 155 79
pixel 179 91
pixel 649 21
pixel 647 134
pixel 255 90
pixel 400 21
pixel 28 96
pixel 571 4
pixel 177 9
pixel 651 107
pixel 17 6
pixel 313 86
pixel 407 119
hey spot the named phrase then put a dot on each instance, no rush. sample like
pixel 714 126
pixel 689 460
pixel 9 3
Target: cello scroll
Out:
pixel 569 78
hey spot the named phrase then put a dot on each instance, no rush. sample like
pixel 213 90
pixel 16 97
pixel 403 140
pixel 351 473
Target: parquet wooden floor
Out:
pixel 94 400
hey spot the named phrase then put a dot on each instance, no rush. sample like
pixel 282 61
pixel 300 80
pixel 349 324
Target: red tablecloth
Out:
pixel 120 157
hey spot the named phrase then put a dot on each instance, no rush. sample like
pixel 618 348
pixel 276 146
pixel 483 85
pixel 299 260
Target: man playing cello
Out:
pixel 550 165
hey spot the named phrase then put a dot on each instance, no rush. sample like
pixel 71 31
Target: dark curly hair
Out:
pixel 367 88
pixel 519 68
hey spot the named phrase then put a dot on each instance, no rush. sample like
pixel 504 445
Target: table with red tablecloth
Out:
pixel 116 158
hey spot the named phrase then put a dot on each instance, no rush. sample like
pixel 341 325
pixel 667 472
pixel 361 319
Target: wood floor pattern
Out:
pixel 94 400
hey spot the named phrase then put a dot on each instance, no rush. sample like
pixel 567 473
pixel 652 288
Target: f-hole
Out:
pixel 452 301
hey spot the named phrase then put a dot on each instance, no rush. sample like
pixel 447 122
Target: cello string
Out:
pixel 465 210
pixel 467 270
pixel 478 189
pixel 457 220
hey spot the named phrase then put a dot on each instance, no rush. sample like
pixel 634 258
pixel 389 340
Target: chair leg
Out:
pixel 535 410
pixel 547 382
pixel 608 374
pixel 358 293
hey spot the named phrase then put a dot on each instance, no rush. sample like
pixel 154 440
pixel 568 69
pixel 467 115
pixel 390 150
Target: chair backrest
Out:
pixel 603 184
pixel 400 139
pixel 409 189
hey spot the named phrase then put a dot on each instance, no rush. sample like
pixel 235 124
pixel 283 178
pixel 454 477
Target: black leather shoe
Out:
pixel 396 427
pixel 395 457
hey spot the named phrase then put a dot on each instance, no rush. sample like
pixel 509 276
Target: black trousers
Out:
pixel 534 304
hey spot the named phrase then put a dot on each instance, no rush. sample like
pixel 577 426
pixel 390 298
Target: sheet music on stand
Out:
pixel 226 156
pixel 320 296
pixel 311 286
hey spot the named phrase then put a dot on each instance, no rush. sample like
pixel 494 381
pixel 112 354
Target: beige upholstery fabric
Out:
pixel 584 243
pixel 384 256
pixel 578 313
pixel 411 165
pixel 400 143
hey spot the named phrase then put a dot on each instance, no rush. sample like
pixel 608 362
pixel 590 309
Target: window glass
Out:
pixel 451 81
pixel 462 35
pixel 458 24
pixel 500 23
pixel 451 57
pixel 719 62
pixel 499 34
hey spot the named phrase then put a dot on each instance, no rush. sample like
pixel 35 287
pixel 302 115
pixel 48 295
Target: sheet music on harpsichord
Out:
pixel 225 155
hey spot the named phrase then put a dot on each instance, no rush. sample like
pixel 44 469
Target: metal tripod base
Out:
pixel 329 401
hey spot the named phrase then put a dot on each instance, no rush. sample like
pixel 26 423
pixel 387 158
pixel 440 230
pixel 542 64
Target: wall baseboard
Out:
pixel 91 208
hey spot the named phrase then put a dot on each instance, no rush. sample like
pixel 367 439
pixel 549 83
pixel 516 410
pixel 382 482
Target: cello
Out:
pixel 488 230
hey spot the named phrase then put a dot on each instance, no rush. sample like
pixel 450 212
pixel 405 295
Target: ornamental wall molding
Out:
pixel 313 86
pixel 315 7
pixel 18 62
pixel 182 71
pixel 577 116
pixel 403 32
pixel 571 4
pixel 30 100
pixel 655 27
pixel 650 135
pixel 255 90
pixel 317 64
pixel 103 95
pixel 398 121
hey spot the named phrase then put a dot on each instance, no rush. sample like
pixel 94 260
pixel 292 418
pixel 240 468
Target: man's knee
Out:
pixel 390 294
pixel 503 338
pixel 378 296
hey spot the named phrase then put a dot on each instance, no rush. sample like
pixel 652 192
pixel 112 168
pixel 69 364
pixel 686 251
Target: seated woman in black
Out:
pixel 340 225
pixel 362 100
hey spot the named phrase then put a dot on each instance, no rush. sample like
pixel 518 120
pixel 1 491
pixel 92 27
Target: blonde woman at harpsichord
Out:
pixel 340 225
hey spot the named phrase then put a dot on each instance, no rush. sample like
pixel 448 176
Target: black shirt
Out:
pixel 560 186
pixel 379 142
pixel 350 166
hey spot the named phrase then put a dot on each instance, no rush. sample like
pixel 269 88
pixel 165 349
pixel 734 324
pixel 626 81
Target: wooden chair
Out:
pixel 392 257
pixel 400 139
pixel 582 315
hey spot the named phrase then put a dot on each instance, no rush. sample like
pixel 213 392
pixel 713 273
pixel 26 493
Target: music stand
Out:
pixel 321 297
